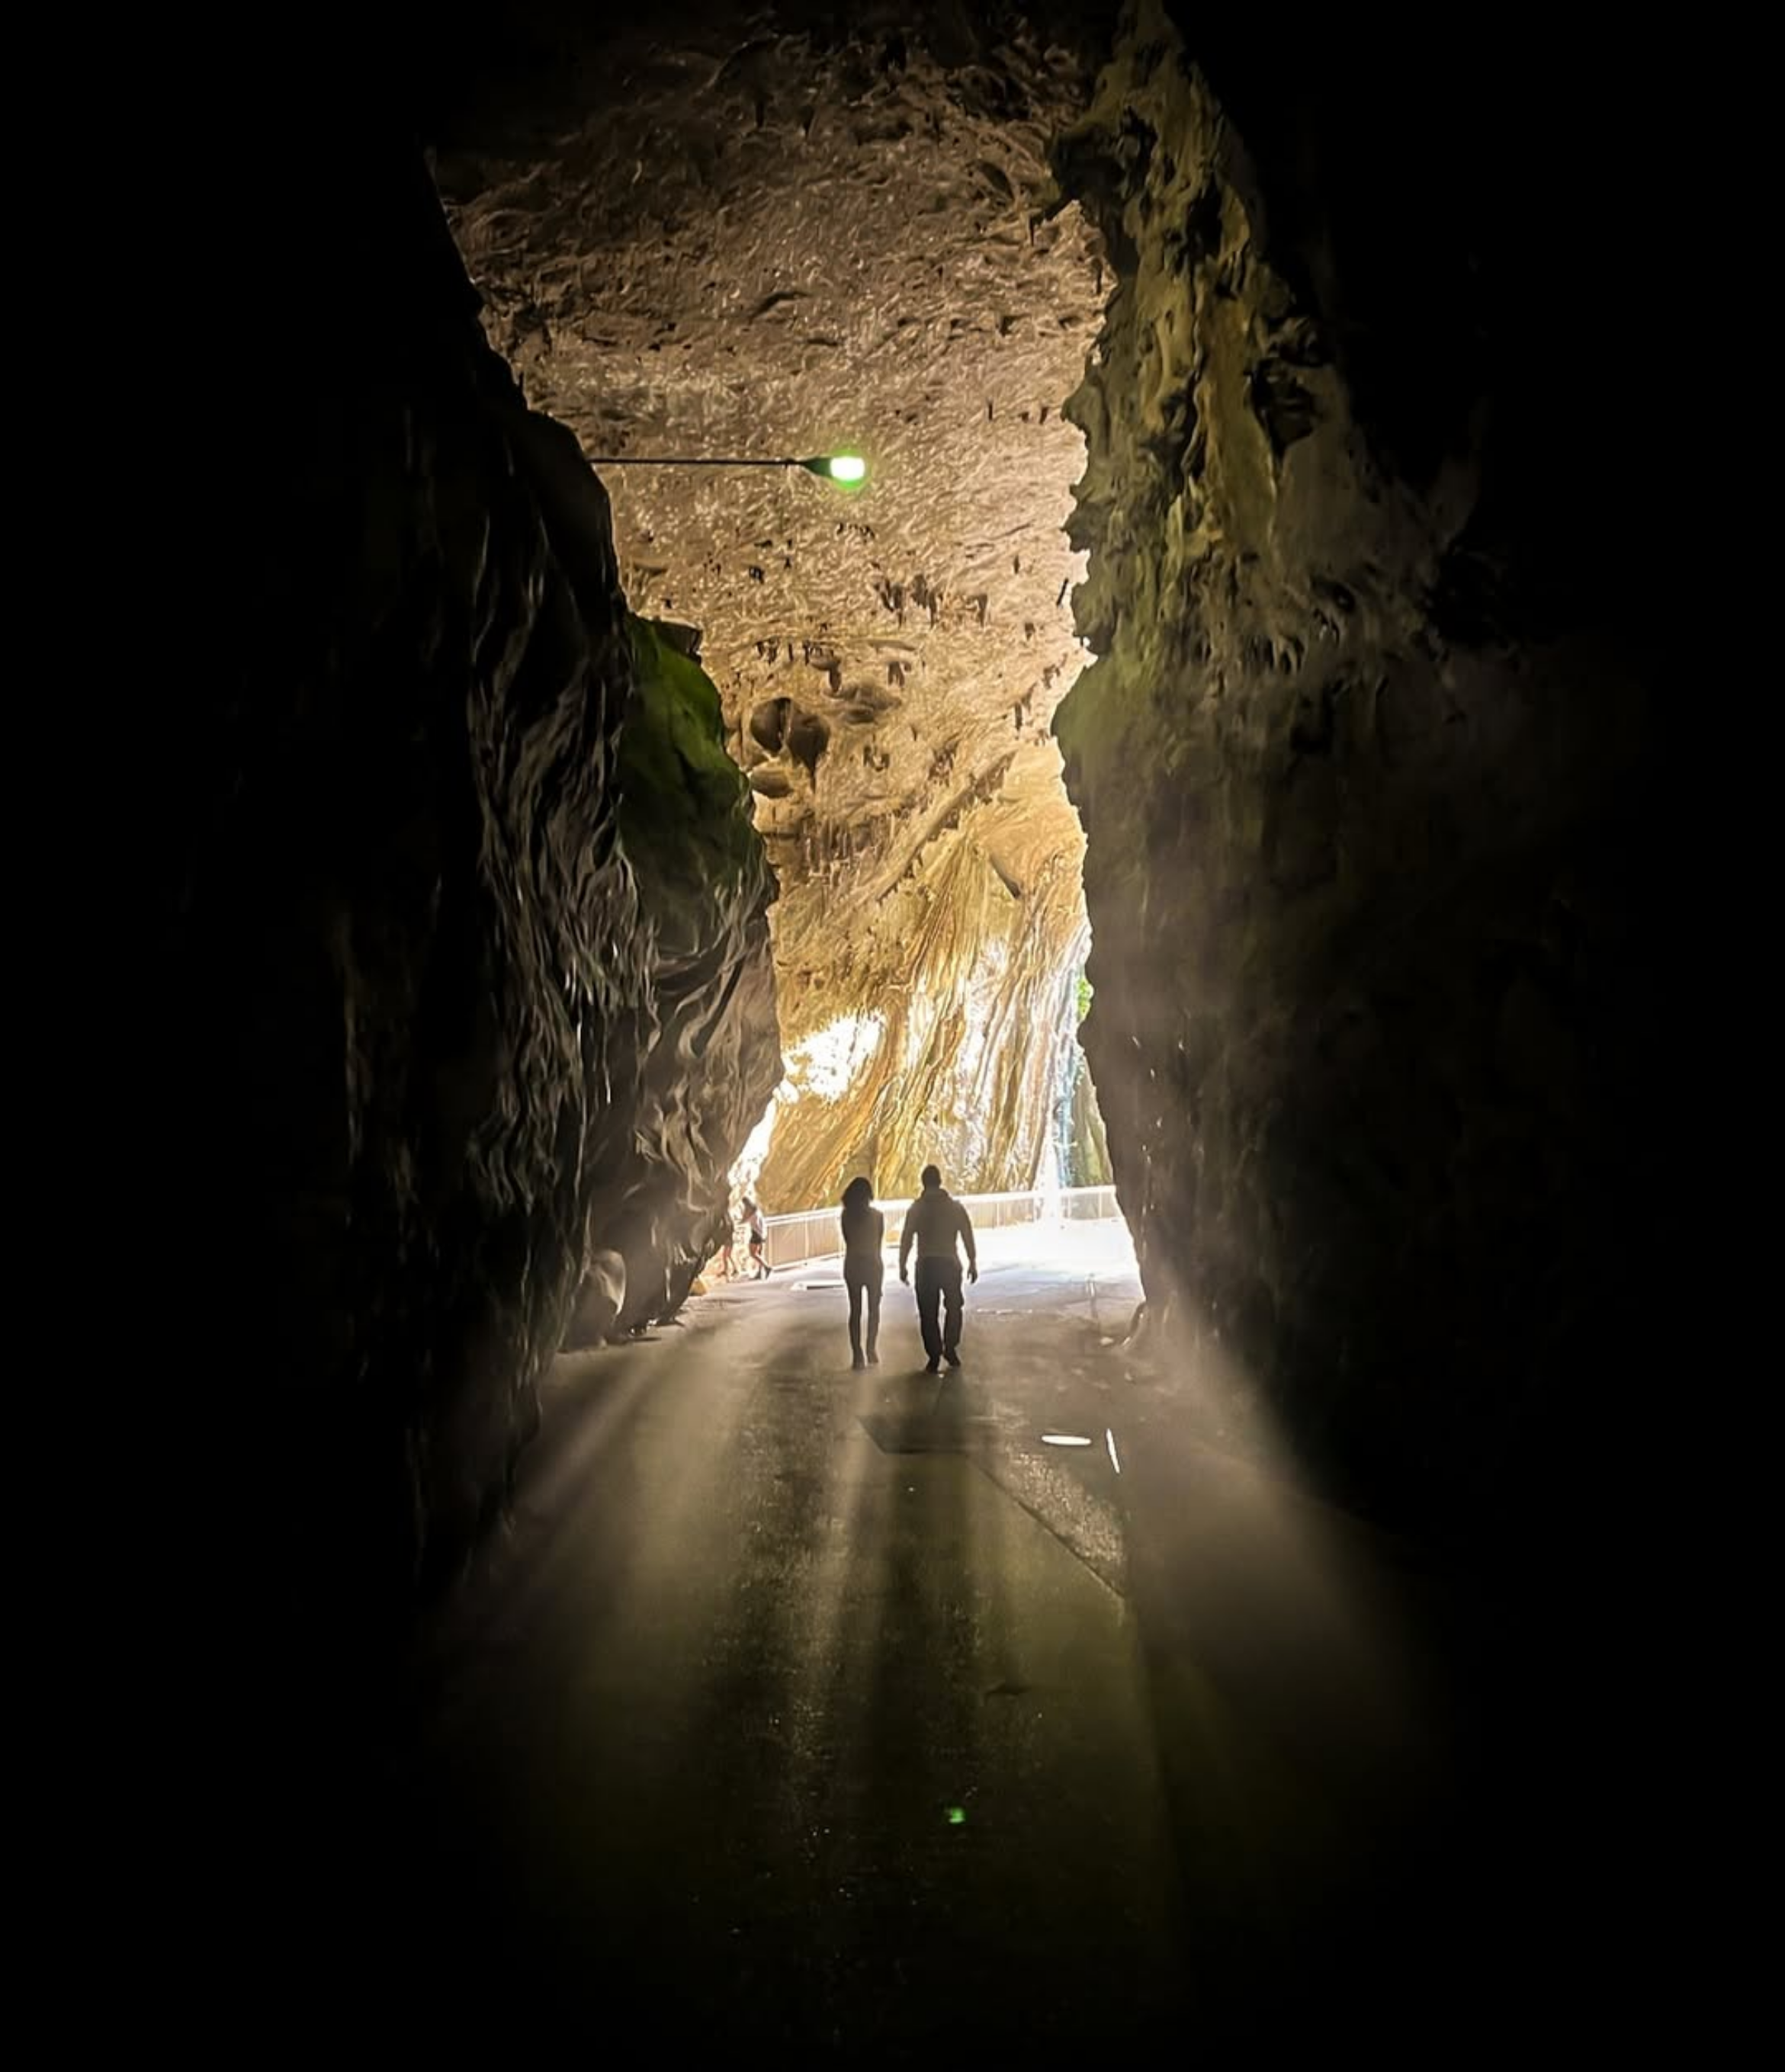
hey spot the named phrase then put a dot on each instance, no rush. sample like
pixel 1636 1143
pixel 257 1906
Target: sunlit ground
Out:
pixel 822 1702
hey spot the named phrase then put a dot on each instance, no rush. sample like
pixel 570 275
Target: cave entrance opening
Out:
pixel 843 245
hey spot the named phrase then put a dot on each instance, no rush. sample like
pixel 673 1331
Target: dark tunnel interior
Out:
pixel 1212 779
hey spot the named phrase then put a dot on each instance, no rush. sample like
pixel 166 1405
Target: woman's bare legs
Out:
pixel 854 1287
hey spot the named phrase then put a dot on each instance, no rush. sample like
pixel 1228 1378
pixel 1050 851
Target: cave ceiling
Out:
pixel 788 244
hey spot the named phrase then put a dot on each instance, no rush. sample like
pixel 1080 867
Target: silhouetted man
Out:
pixel 933 1223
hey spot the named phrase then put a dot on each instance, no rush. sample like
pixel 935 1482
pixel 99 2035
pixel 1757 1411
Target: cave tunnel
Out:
pixel 1200 790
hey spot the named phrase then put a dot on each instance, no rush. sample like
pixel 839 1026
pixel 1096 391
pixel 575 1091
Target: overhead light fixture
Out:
pixel 848 470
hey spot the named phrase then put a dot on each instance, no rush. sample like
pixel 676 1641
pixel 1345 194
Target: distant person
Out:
pixel 759 1237
pixel 934 1223
pixel 728 1263
pixel 864 1266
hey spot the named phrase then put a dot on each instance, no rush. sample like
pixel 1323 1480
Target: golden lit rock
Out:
pixel 792 251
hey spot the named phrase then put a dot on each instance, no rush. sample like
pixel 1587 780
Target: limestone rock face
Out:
pixel 823 235
pixel 464 924
pixel 712 1055
pixel 602 1297
pixel 1363 761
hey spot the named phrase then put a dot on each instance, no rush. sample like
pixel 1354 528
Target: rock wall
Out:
pixel 701 235
pixel 1366 759
pixel 461 917
pixel 714 1058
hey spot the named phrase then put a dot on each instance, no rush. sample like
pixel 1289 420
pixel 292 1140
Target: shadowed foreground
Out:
pixel 839 1713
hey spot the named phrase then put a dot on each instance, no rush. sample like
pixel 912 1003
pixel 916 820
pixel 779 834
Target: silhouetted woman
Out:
pixel 864 1265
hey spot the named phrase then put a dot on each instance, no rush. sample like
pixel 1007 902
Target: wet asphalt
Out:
pixel 844 1717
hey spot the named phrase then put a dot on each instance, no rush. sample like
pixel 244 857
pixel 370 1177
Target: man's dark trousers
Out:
pixel 939 1282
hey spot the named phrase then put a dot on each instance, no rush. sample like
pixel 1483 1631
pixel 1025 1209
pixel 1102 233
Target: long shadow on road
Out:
pixel 781 1727
pixel 786 1719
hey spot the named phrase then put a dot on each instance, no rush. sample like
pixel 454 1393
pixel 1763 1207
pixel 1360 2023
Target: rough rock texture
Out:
pixel 714 1055
pixel 789 234
pixel 464 942
pixel 596 1319
pixel 1365 760
pixel 1084 1140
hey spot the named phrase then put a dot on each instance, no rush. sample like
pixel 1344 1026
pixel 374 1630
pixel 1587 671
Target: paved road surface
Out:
pixel 843 1717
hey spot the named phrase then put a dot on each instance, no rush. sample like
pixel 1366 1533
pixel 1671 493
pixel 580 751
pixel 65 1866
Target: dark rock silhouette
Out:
pixel 1366 765
pixel 461 914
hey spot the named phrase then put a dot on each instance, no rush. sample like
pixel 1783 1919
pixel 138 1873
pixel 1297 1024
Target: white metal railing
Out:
pixel 814 1233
